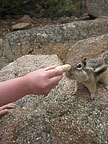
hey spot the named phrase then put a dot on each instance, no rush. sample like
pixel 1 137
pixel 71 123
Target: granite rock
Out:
pixel 51 39
pixel 92 47
pixel 56 118
pixel 98 7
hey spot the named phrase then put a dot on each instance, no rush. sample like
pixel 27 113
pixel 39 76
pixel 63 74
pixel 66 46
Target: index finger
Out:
pixel 54 72
pixel 50 67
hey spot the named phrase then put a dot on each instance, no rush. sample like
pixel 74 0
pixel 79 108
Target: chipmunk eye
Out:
pixel 79 65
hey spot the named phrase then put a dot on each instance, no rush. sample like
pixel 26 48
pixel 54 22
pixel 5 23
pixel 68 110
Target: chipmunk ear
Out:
pixel 84 61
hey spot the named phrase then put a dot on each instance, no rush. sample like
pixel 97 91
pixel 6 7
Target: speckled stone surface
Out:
pixel 58 118
pixel 98 7
pixel 51 39
pixel 90 48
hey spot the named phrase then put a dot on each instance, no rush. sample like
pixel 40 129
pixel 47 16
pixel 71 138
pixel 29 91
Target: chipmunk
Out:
pixel 89 72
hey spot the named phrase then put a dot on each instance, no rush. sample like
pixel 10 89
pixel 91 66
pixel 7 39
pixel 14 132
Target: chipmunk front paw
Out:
pixel 106 87
pixel 73 93
pixel 91 99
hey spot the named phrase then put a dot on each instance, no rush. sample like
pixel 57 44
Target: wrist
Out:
pixel 24 85
pixel 27 87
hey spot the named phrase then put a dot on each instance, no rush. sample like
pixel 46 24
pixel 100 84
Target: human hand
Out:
pixel 41 81
pixel 4 109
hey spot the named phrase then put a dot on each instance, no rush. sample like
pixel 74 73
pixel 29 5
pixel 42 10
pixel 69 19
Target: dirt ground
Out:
pixel 5 25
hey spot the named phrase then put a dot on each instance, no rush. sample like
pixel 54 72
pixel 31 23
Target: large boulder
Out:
pixel 26 64
pixel 52 39
pixel 98 8
pixel 56 118
pixel 90 48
